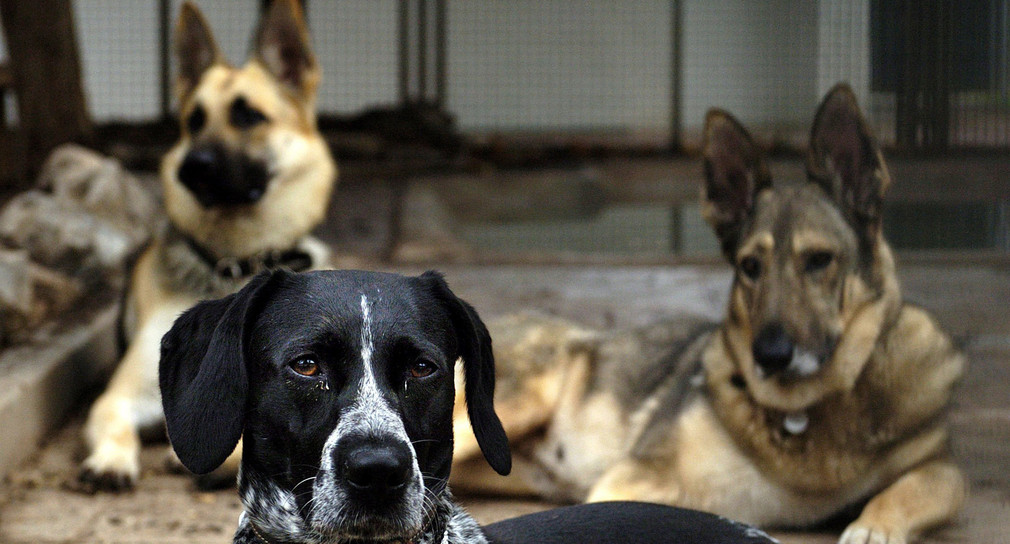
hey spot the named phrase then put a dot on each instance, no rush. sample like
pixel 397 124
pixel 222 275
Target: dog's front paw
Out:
pixel 858 533
pixel 105 470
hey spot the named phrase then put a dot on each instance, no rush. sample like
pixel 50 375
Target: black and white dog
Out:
pixel 342 384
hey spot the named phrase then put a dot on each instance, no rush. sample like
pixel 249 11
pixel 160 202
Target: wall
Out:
pixel 527 64
pixel 756 59
pixel 542 64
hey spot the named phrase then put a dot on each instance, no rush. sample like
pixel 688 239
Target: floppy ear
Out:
pixel 474 346
pixel 735 173
pixel 283 47
pixel 195 49
pixel 845 160
pixel 203 379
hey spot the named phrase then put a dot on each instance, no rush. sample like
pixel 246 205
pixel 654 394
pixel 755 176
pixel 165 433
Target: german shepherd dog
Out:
pixel 820 393
pixel 248 180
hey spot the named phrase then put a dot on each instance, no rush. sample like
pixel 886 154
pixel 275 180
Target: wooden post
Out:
pixel 46 73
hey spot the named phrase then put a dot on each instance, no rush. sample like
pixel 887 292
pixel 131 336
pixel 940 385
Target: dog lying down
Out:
pixel 341 383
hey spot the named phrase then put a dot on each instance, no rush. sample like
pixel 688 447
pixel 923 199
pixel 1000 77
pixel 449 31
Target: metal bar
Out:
pixel 676 88
pixel 943 83
pixel 422 49
pixel 165 57
pixel 404 53
pixel 918 76
pixel 441 41
pixel 1001 63
pixel 903 125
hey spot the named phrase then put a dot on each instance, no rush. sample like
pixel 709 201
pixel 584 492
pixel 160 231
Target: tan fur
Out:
pixel 873 412
pixel 169 277
pixel 854 414
pixel 295 148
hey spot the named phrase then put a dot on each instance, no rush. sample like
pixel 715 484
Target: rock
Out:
pixel 15 281
pixel 70 167
pixel 75 232
pixel 87 218
pixel 30 295
pixel 65 238
pixel 100 186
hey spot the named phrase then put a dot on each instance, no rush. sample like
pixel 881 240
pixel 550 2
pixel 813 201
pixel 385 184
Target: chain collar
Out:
pixel 294 259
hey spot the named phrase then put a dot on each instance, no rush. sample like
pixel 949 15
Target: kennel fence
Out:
pixel 575 78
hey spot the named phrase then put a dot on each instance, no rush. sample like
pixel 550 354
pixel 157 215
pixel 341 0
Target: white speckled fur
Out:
pixel 275 511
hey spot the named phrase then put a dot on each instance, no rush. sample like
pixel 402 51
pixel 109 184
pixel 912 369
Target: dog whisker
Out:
pixel 307 508
pixel 309 479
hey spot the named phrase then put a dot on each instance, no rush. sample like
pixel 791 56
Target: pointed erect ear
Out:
pixel 474 346
pixel 735 173
pixel 203 378
pixel 283 47
pixel 195 49
pixel 845 160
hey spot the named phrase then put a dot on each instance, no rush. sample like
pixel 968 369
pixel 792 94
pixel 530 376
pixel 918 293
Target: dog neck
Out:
pixel 448 524
pixel 249 533
pixel 229 267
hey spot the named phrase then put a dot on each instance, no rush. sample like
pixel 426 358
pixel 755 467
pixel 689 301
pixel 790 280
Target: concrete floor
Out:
pixel 38 503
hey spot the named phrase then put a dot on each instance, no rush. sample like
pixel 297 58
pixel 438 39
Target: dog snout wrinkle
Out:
pixel 773 349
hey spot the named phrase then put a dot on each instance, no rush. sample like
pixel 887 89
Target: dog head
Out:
pixel 250 171
pixel 342 384
pixel 814 277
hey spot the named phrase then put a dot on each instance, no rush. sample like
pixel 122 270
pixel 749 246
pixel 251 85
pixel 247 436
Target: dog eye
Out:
pixel 817 261
pixel 196 120
pixel 751 267
pixel 243 116
pixel 421 369
pixel 305 367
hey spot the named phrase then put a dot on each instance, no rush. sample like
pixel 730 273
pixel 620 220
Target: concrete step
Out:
pixel 43 380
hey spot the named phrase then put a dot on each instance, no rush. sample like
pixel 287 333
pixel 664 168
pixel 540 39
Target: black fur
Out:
pixel 474 344
pixel 225 370
pixel 623 522
pixel 203 377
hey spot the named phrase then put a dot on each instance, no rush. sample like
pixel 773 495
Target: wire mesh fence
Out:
pixel 645 67
pixel 638 75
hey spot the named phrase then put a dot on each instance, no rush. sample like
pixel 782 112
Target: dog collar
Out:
pixel 796 423
pixel 416 539
pixel 294 259
pixel 256 532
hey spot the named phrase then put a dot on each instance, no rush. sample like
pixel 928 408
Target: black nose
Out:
pixel 377 470
pixel 216 177
pixel 773 349
pixel 199 170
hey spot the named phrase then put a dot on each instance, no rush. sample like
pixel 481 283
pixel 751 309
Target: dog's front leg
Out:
pixel 920 499
pixel 130 403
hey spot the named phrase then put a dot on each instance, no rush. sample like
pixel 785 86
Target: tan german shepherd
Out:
pixel 820 392
pixel 248 180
